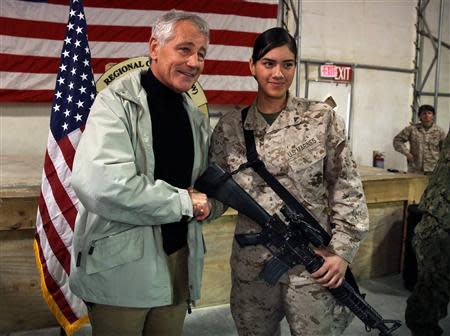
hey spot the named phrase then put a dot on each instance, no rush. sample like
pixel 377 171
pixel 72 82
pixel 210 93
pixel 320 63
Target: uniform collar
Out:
pixel 289 116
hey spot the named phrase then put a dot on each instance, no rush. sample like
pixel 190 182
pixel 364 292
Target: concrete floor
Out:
pixel 386 295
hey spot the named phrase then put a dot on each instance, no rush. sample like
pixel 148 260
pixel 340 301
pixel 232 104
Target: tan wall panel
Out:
pixel 17 213
pixel 380 253
pixel 21 304
pixel 216 277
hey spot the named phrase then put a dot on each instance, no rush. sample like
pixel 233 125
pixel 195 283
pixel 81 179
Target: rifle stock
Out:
pixel 218 184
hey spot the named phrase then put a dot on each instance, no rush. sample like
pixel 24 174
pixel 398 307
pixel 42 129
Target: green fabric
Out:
pixel 428 302
pixel 270 117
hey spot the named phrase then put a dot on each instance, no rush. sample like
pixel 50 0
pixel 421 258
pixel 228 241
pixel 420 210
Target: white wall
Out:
pixel 24 129
pixel 373 32
pixel 362 31
pixel 379 33
pixel 381 109
pixel 443 108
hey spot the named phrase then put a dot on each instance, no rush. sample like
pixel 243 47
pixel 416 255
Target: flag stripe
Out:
pixel 208 82
pixel 59 154
pixel 55 31
pixel 261 9
pixel 235 84
pixel 20 95
pixel 53 288
pixel 52 236
pixel 59 192
pixel 222 97
pixel 114 16
pixel 55 216
pixel 67 151
pixel 46 48
pixel 219 97
pixel 49 65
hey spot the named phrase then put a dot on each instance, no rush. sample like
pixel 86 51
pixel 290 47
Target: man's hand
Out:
pixel 332 272
pixel 409 157
pixel 201 205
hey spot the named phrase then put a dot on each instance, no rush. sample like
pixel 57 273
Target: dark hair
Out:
pixel 424 108
pixel 271 39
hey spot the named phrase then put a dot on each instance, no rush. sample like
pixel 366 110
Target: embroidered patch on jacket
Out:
pixel 297 150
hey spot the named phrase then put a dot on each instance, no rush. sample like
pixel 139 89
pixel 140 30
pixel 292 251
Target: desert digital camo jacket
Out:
pixel 306 150
pixel 424 146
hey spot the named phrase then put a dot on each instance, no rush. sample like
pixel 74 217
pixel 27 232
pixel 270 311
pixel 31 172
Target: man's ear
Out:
pixel 153 47
pixel 252 67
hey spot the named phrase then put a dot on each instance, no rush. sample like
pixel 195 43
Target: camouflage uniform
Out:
pixel 424 146
pixel 306 150
pixel 430 297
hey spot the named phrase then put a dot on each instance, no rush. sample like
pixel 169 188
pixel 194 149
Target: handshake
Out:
pixel 201 206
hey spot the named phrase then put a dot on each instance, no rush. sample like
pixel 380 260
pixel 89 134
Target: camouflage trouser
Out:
pixel 429 300
pixel 310 309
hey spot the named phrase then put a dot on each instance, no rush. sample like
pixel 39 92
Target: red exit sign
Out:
pixel 341 73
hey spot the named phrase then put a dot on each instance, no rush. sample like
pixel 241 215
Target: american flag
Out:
pixel 119 29
pixel 72 99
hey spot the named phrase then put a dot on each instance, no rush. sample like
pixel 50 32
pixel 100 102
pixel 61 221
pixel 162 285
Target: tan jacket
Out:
pixel 306 150
pixel 424 144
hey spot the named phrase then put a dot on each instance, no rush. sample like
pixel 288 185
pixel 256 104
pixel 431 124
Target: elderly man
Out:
pixel 425 140
pixel 137 252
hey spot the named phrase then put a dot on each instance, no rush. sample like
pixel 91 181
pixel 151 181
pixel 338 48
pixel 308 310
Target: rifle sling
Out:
pixel 260 168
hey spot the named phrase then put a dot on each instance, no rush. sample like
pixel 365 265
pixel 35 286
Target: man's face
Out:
pixel 179 62
pixel 426 117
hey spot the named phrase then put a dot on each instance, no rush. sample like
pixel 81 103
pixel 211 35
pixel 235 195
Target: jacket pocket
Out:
pixel 307 172
pixel 311 162
pixel 115 250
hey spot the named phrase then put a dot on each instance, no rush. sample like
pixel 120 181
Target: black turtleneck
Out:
pixel 173 147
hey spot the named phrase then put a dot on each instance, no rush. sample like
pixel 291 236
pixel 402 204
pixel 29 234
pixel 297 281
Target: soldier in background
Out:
pixel 425 140
pixel 430 297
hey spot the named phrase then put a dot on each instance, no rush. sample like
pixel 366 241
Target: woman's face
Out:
pixel 274 72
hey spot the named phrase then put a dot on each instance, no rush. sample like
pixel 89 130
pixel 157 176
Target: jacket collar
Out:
pixel 131 89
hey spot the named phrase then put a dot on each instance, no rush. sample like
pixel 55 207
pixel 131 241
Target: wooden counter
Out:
pixel 21 304
pixel 387 195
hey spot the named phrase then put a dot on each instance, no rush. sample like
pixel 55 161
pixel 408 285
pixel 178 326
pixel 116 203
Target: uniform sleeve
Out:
pixel 217 155
pixel 400 139
pixel 217 150
pixel 107 180
pixel 441 138
pixel 349 215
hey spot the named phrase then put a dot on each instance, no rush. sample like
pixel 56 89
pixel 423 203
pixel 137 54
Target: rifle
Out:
pixel 289 244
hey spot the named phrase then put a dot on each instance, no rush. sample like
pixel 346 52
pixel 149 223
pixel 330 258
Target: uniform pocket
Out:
pixel 307 162
pixel 115 250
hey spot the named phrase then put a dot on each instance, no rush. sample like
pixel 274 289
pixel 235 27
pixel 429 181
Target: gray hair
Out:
pixel 164 25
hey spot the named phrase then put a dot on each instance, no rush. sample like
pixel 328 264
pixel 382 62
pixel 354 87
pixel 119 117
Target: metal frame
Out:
pixel 285 7
pixel 423 31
